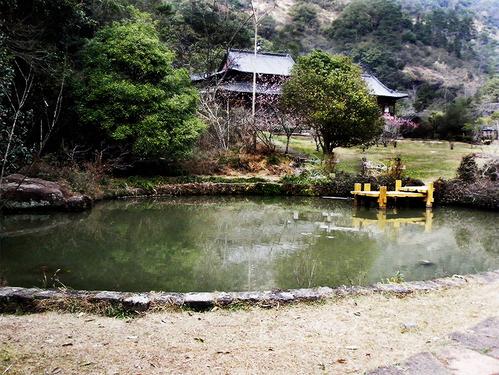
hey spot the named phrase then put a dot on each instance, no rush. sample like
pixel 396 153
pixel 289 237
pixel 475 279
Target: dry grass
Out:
pixel 344 336
pixel 86 178
pixel 239 162
pixel 426 160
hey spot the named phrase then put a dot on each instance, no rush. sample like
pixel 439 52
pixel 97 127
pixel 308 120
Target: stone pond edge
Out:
pixel 340 190
pixel 35 299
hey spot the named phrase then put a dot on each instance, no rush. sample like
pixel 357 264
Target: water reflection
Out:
pixel 392 218
pixel 183 244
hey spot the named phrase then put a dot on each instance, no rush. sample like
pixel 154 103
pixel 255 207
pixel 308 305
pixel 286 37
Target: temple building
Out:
pixel 234 78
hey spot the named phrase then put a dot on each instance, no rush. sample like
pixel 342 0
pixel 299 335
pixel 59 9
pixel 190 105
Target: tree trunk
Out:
pixel 288 139
pixel 330 161
pixel 327 148
pixel 254 141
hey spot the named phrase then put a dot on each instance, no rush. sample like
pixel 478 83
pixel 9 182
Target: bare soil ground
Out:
pixel 349 335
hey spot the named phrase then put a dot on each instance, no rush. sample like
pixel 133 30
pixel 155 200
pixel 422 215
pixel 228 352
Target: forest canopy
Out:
pixel 59 58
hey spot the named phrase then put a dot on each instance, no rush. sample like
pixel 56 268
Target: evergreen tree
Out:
pixel 328 92
pixel 131 90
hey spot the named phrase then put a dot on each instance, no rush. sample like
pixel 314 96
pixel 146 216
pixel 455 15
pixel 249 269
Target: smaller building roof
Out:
pixel 379 89
pixel 263 62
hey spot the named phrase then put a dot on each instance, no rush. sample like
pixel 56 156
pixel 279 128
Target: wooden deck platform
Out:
pixel 421 192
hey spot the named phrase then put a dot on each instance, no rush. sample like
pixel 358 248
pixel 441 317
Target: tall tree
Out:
pixel 132 91
pixel 328 92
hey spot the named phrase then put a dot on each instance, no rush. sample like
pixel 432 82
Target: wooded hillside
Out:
pixel 436 50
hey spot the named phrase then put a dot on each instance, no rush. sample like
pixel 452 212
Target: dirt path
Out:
pixel 349 335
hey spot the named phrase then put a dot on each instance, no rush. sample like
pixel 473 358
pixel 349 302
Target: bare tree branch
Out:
pixel 21 101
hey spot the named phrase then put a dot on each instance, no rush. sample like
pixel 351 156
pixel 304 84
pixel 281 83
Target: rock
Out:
pixel 49 294
pixel 465 361
pixel 175 299
pixel 425 263
pixel 78 203
pixel 306 294
pixel 137 302
pixel 25 294
pixel 224 299
pixel 393 288
pixel 424 363
pixel 112 297
pixel 351 347
pixel 281 296
pixel 26 193
pixel 250 297
pixel 483 338
pixel 8 292
pixel 199 300
pixel 408 327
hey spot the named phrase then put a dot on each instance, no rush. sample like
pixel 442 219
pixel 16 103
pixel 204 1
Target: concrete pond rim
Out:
pixel 13 299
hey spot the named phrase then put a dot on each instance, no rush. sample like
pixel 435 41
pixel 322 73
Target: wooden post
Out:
pixel 429 195
pixel 367 187
pixel 398 185
pixel 356 187
pixel 382 198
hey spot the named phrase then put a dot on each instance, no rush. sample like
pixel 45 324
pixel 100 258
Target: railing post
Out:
pixel 398 185
pixel 356 187
pixel 429 195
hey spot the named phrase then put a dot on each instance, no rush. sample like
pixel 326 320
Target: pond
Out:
pixel 241 243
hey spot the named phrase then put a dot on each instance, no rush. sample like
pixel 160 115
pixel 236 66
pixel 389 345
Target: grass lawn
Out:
pixel 426 160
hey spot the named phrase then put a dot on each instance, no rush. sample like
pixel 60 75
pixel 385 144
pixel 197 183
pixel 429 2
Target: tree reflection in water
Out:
pixel 238 243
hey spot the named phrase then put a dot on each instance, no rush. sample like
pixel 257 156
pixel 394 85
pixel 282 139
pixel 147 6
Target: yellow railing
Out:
pixel 421 192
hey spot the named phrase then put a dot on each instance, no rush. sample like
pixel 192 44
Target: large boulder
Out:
pixel 19 192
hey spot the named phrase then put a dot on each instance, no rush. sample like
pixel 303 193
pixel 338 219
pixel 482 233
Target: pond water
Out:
pixel 240 243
